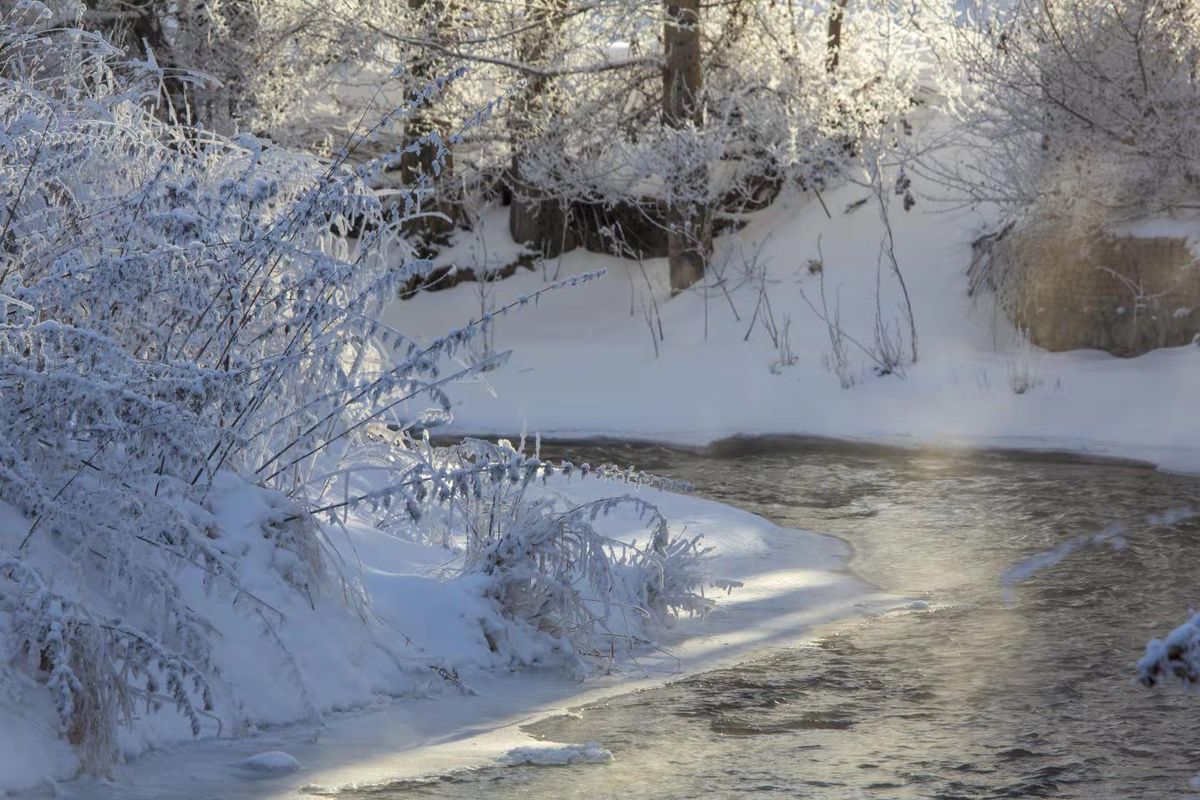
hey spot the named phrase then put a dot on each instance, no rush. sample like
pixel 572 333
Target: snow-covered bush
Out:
pixel 582 125
pixel 174 305
pixel 1085 110
pixel 176 308
pixel 98 668
pixel 569 590
pixel 550 566
pixel 775 110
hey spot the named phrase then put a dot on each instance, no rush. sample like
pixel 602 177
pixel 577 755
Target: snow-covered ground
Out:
pixel 792 582
pixel 585 363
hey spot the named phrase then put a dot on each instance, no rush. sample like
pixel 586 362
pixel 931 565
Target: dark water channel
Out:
pixel 982 696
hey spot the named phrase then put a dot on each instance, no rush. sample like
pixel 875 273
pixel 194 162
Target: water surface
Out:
pixel 981 696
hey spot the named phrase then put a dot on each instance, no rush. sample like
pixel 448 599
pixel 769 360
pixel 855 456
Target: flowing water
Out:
pixel 1029 694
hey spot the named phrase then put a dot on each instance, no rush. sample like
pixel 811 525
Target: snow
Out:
pixel 32 754
pixel 271 762
pixel 792 583
pixel 1174 659
pixel 1166 226
pixel 707 383
pixel 551 756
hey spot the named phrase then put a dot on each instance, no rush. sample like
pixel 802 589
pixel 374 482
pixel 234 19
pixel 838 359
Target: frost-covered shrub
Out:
pixel 568 591
pixel 775 109
pixel 581 130
pixel 173 305
pixel 551 566
pixel 1085 109
pixel 178 309
pixel 79 653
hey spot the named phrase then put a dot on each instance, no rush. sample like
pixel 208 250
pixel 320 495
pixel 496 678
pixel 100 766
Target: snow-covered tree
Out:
pixel 1082 109
pixel 588 147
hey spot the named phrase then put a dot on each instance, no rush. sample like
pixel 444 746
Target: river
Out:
pixel 985 693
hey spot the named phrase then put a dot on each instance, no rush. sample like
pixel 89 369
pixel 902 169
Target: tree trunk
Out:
pixel 219 38
pixel 837 15
pixel 421 122
pixel 539 222
pixel 689 228
pixel 240 28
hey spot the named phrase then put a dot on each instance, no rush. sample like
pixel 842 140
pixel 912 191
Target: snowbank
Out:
pixel 791 582
pixel 279 655
pixel 586 363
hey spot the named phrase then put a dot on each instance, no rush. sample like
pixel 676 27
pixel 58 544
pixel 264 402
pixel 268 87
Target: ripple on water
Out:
pixel 979 698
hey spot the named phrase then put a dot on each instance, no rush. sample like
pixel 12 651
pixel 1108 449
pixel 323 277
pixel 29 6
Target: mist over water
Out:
pixel 973 697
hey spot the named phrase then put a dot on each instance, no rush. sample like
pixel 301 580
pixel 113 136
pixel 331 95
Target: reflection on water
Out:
pixel 976 698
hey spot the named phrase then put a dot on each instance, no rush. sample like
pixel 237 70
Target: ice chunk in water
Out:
pixel 589 753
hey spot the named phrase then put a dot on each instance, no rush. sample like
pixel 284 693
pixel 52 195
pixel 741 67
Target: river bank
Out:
pixel 792 582
pixel 621 358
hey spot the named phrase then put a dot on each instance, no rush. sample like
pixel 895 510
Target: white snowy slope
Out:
pixel 584 362
pixel 793 582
